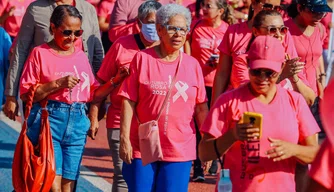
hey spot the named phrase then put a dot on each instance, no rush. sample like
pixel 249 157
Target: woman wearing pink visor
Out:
pixel 259 159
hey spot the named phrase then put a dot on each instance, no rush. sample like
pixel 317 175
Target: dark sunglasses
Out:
pixel 268 6
pixel 68 33
pixel 283 30
pixel 259 72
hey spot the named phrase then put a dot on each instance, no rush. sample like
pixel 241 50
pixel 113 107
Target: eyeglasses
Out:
pixel 76 33
pixel 283 30
pixel 259 72
pixel 173 29
pixel 268 6
pixel 316 14
pixel 207 6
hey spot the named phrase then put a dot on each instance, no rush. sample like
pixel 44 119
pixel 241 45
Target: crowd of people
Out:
pixel 180 77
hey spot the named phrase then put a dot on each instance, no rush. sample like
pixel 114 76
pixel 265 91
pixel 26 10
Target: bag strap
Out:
pixel 139 42
pixel 170 88
pixel 169 91
pixel 30 99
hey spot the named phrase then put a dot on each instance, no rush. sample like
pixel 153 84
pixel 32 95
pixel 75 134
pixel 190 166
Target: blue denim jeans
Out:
pixel 69 126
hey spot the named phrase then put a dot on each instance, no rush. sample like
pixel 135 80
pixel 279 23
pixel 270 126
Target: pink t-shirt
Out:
pixel 287 118
pixel 309 49
pixel 235 43
pixel 45 65
pixel 120 54
pixel 123 30
pixel 322 169
pixel 147 85
pixel 105 8
pixel 12 24
pixel 204 43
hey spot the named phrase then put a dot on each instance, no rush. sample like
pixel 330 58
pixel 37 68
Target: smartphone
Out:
pixel 253 118
pixel 212 59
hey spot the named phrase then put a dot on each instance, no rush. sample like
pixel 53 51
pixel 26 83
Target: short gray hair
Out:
pixel 150 6
pixel 166 12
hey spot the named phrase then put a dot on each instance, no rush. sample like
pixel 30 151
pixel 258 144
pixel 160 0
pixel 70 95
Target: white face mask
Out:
pixel 150 32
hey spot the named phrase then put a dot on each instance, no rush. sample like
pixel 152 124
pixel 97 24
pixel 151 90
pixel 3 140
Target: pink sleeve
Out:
pixel 31 73
pixel 307 124
pixel 130 86
pixel 108 67
pixel 102 10
pixel 219 118
pixel 201 92
pixel 225 45
pixel 322 167
pixel 290 46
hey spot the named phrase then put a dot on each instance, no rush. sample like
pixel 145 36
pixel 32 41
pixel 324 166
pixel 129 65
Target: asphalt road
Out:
pixel 96 170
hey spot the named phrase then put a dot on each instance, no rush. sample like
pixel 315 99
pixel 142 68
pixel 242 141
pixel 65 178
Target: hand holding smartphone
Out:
pixel 250 127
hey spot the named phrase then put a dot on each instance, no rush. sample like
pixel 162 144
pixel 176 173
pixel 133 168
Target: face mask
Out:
pixel 149 31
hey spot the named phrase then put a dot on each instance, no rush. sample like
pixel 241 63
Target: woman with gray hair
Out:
pixel 163 92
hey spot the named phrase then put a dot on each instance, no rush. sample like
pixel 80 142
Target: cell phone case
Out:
pixel 253 118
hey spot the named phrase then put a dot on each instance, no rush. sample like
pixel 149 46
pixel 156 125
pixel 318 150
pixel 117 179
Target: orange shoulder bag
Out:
pixel 33 167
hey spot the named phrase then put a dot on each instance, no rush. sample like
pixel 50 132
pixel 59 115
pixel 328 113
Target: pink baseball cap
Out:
pixel 327 111
pixel 266 52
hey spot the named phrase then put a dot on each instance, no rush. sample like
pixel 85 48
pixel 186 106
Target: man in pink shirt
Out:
pixel 261 158
pixel 11 15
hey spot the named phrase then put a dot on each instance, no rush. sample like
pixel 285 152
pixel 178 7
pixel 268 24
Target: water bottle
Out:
pixel 225 184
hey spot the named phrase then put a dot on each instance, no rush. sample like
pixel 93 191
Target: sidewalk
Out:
pixel 9 132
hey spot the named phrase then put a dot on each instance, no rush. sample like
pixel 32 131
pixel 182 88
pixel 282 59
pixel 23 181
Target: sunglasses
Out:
pixel 268 6
pixel 283 30
pixel 173 29
pixel 76 33
pixel 259 72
